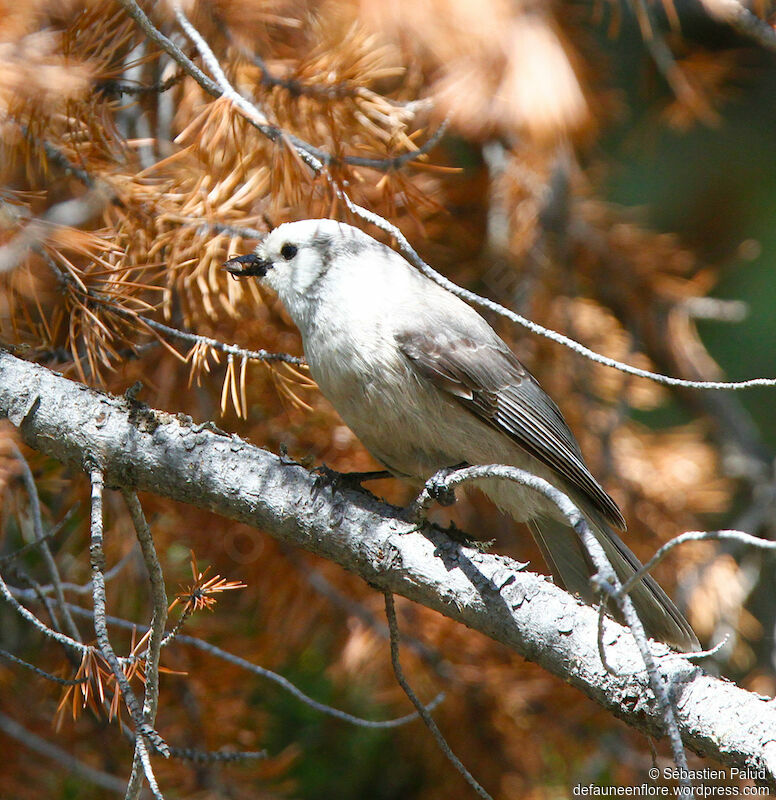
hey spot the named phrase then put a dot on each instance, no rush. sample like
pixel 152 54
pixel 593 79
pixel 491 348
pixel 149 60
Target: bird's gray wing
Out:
pixel 485 376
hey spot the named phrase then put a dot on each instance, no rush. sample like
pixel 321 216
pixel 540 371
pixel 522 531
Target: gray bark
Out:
pixel 139 447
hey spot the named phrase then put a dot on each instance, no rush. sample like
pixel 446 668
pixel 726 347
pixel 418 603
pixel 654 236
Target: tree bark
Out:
pixel 141 448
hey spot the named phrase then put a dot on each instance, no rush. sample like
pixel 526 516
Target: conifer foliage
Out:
pixel 486 132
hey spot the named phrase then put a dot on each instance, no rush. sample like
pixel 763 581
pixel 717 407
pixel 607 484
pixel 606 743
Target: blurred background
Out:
pixel 606 170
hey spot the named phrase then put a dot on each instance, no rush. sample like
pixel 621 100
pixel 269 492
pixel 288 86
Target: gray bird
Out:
pixel 425 383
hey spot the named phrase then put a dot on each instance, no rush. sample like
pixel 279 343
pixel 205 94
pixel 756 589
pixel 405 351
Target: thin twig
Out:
pixel 696 536
pixel 393 627
pixel 117 87
pixel 216 756
pixel 317 160
pixel 97 559
pixel 742 20
pixel 600 636
pixel 11 727
pixel 224 655
pixel 37 543
pixel 172 634
pixel 559 338
pixel 37 524
pixel 606 579
pixel 195 338
pixel 86 588
pixel 38 671
pixel 292 689
pixel 6 594
pixel 39 595
pixel 158 622
pixel 159 599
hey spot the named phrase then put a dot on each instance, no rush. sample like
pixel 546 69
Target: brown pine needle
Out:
pixel 197 596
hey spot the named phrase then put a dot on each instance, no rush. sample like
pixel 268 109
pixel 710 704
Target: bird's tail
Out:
pixel 570 563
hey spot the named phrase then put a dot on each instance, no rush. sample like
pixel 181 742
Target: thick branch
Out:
pixel 198 464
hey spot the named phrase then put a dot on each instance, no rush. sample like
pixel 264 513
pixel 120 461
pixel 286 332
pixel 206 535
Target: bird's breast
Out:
pixel 372 387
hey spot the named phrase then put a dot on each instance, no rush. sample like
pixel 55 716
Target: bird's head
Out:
pixel 293 257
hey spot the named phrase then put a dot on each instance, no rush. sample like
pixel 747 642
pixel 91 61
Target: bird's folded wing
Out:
pixel 485 376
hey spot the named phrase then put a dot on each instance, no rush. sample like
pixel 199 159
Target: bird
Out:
pixel 426 384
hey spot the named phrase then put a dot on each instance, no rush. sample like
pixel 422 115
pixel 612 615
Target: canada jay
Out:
pixel 425 383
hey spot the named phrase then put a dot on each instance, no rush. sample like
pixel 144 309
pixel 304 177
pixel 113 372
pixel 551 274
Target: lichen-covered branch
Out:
pixel 138 447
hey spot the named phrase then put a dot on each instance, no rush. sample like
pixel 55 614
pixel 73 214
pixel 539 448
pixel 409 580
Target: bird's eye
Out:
pixel 288 251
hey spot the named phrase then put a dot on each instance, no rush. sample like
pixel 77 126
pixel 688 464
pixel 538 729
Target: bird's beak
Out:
pixel 251 264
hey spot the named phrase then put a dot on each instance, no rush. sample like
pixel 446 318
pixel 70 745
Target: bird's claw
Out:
pixel 438 490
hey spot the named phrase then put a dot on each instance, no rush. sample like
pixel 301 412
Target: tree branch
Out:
pixel 393 627
pixel 173 457
pixel 10 727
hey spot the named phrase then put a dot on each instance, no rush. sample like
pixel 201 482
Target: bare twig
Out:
pixel 423 711
pixel 39 595
pixel 696 536
pixel 33 545
pixel 606 579
pixel 37 524
pixel 6 594
pixel 97 558
pixel 174 632
pixel 216 756
pixel 86 588
pixel 117 87
pixel 159 598
pixel 263 672
pixel 316 160
pixel 38 671
pixel 201 644
pixel 742 20
pixel 497 308
pixel 34 742
pixel 158 621
pixel 195 338
pixel 69 213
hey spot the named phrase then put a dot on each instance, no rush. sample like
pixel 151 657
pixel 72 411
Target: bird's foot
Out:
pixel 338 481
pixel 438 489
